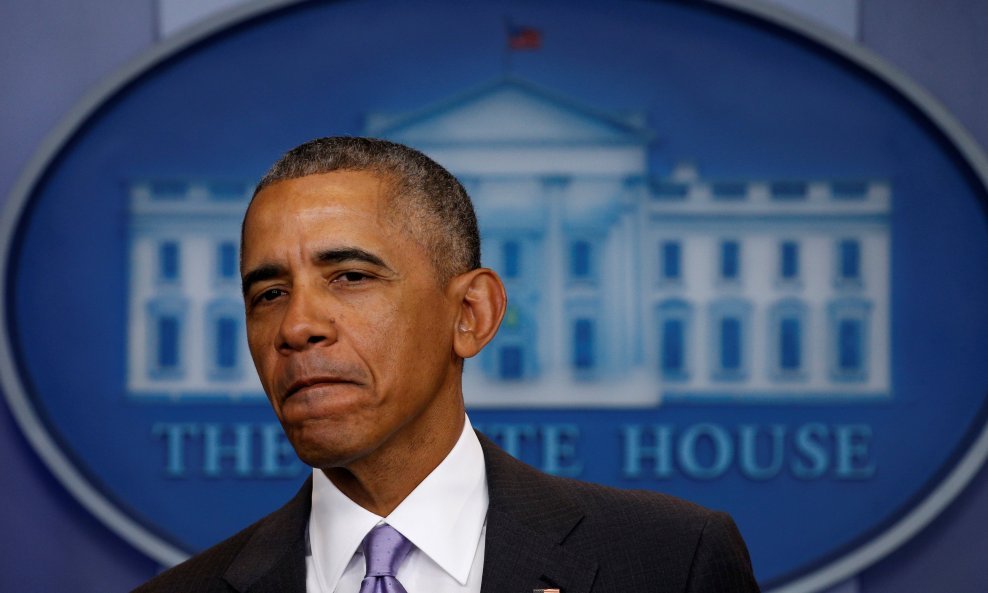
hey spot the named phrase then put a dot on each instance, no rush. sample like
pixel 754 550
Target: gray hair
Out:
pixel 429 200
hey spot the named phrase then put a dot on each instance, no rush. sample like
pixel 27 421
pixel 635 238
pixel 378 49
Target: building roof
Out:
pixel 509 111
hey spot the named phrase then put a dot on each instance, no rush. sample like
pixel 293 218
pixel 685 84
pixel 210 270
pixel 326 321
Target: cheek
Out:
pixel 390 342
pixel 262 328
pixel 254 347
pixel 261 353
pixel 379 341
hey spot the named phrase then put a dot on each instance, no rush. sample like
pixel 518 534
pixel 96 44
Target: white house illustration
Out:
pixel 625 287
pixel 186 336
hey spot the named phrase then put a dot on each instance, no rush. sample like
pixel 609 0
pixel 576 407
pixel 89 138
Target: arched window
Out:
pixel 788 324
pixel 512 356
pixel 849 346
pixel 584 344
pixel 730 341
pixel 581 260
pixel 165 338
pixel 674 320
pixel 225 339
pixel 168 341
pixel 511 362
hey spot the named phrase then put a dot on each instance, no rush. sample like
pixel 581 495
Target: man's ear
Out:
pixel 482 302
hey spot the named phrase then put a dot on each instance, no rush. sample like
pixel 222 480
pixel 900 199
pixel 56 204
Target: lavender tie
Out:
pixel 384 549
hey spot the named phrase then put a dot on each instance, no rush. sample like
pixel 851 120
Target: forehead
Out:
pixel 354 190
pixel 308 207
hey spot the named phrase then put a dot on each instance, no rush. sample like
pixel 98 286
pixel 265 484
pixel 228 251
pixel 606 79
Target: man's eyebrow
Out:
pixel 260 274
pixel 328 256
pixel 349 254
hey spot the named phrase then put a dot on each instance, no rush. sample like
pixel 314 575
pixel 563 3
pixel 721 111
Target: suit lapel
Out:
pixel 528 521
pixel 518 559
pixel 273 559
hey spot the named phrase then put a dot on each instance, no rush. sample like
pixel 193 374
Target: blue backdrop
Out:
pixel 780 108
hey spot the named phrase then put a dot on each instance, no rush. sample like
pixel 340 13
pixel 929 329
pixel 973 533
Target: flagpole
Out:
pixel 506 48
pixel 518 38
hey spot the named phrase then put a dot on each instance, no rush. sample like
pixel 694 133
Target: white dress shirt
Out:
pixel 444 517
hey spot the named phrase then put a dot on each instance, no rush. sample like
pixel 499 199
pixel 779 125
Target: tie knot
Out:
pixel 384 549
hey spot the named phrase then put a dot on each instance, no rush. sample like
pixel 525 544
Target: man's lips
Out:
pixel 300 384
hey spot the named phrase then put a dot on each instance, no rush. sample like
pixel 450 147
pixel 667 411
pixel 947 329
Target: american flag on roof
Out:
pixel 524 38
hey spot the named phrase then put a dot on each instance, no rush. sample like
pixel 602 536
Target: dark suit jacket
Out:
pixel 542 532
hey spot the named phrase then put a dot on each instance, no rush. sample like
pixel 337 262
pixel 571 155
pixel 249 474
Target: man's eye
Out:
pixel 352 276
pixel 270 295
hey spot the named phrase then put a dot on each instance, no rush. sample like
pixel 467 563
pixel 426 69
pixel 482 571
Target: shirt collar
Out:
pixel 443 516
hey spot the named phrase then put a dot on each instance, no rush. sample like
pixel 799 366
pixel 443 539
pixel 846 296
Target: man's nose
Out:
pixel 308 321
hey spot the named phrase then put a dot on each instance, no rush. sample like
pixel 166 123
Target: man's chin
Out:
pixel 324 453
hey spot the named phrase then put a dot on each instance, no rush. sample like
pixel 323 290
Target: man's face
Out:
pixel 347 324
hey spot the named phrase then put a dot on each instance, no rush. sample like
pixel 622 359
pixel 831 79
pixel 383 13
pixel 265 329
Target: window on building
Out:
pixel 673 317
pixel 849 339
pixel 226 256
pixel 226 343
pixel 730 344
pixel 790 345
pixel 580 253
pixel 169 267
pixel 583 344
pixel 849 190
pixel 789 190
pixel 789 260
pixel 729 190
pixel 165 189
pixel 165 318
pixel 511 251
pixel 849 260
pixel 227 190
pixel 224 331
pixel 167 351
pixel 671 260
pixel 730 260
pixel 670 190
pixel 511 362
pixel 673 347
pixel 729 322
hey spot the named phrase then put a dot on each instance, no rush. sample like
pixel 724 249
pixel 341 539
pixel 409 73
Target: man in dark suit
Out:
pixel 364 294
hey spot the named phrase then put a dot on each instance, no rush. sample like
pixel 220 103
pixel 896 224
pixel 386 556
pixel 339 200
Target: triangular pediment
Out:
pixel 508 111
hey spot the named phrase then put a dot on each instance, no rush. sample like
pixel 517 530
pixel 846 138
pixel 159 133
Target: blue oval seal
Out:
pixel 742 258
